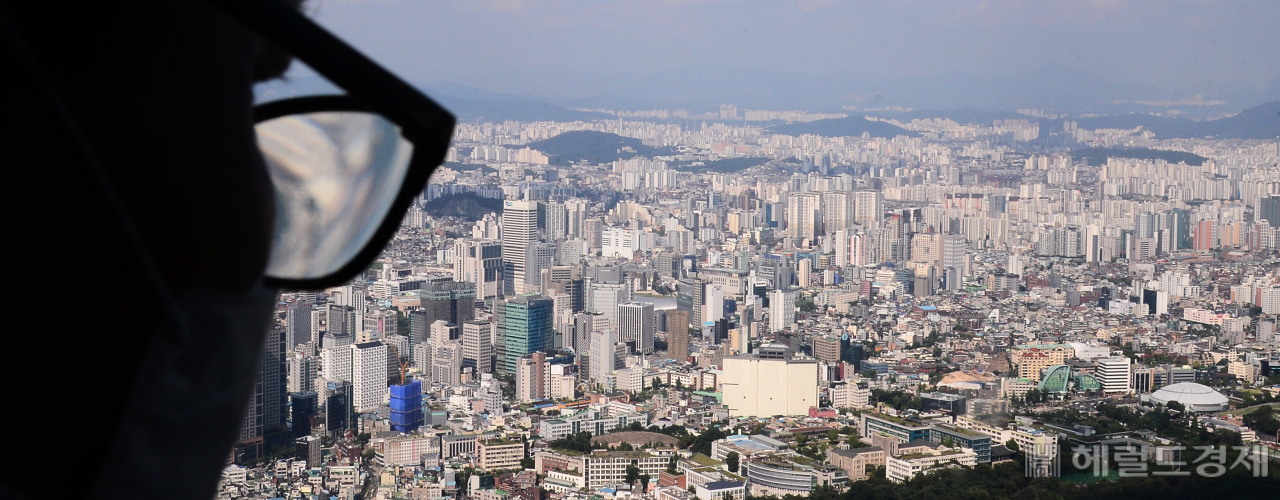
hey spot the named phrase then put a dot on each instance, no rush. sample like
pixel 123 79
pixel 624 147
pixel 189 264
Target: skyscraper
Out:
pixel 782 309
pixel 603 359
pixel 636 325
pixel 678 335
pixel 448 301
pixel 1269 210
pixel 298 322
pixel 519 231
pixel 593 231
pixel 264 423
pixel 368 375
pixel 477 348
pixel 524 326
pixel 555 219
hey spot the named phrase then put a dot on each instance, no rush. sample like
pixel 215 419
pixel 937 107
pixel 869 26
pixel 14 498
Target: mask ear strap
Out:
pixel 41 91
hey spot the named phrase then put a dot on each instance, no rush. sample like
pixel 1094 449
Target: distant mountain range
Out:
pixel 852 126
pixel 1098 156
pixel 1259 122
pixel 1002 93
pixel 595 147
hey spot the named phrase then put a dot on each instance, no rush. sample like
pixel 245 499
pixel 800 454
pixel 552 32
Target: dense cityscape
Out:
pixel 673 305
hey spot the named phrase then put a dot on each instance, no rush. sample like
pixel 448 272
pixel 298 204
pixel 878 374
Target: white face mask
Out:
pixel 188 397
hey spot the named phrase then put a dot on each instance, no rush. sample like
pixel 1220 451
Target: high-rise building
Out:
pixel 446 363
pixel 406 406
pixel 477 348
pixel 803 216
pixel 826 349
pixel 867 207
pixel 593 231
pixel 368 375
pixel 1113 374
pixel 448 301
pixel 605 297
pixel 555 221
pixel 769 383
pixel 1205 233
pixel 1269 210
pixel 636 325
pixel 837 211
pixel 265 420
pixel 519 231
pixel 576 217
pixel 529 377
pixel 298 323
pixel 539 257
pixel 525 325
pixel 678 335
pixel 479 262
pixel 604 355
pixel 782 309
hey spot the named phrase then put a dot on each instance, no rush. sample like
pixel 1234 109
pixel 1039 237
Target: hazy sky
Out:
pixel 497 44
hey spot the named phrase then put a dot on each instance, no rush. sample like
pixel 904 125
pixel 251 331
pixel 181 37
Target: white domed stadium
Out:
pixel 1193 396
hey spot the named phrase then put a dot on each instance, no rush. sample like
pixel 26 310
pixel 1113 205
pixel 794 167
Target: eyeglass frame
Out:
pixel 370 88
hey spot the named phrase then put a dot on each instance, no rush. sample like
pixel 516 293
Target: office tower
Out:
pixel 519 231
pixel 335 359
pixel 1179 227
pixel 304 412
pixel 826 349
pixel 477 348
pixel 298 322
pixel 1113 374
pixel 803 216
pixel 531 377
pixel 443 331
pixel 573 286
pixel 336 320
pixel 678 335
pixel 1269 210
pixel 448 301
pixel 264 424
pixel 303 368
pixel 406 406
pixel 689 298
pixel 446 363
pixel 953 253
pixel 837 211
pixel 635 325
pixel 338 410
pixel 593 231
pixel 368 375
pixel 538 257
pixel 713 308
pixel 555 220
pixel 775 268
pixel 605 297
pixel 782 309
pixel 524 326
pixel 479 262
pixel 603 359
pixel 419 331
pixel 926 248
pixel 867 207
pixel 584 323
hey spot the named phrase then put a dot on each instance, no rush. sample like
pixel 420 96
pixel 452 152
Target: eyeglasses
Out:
pixel 345 167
